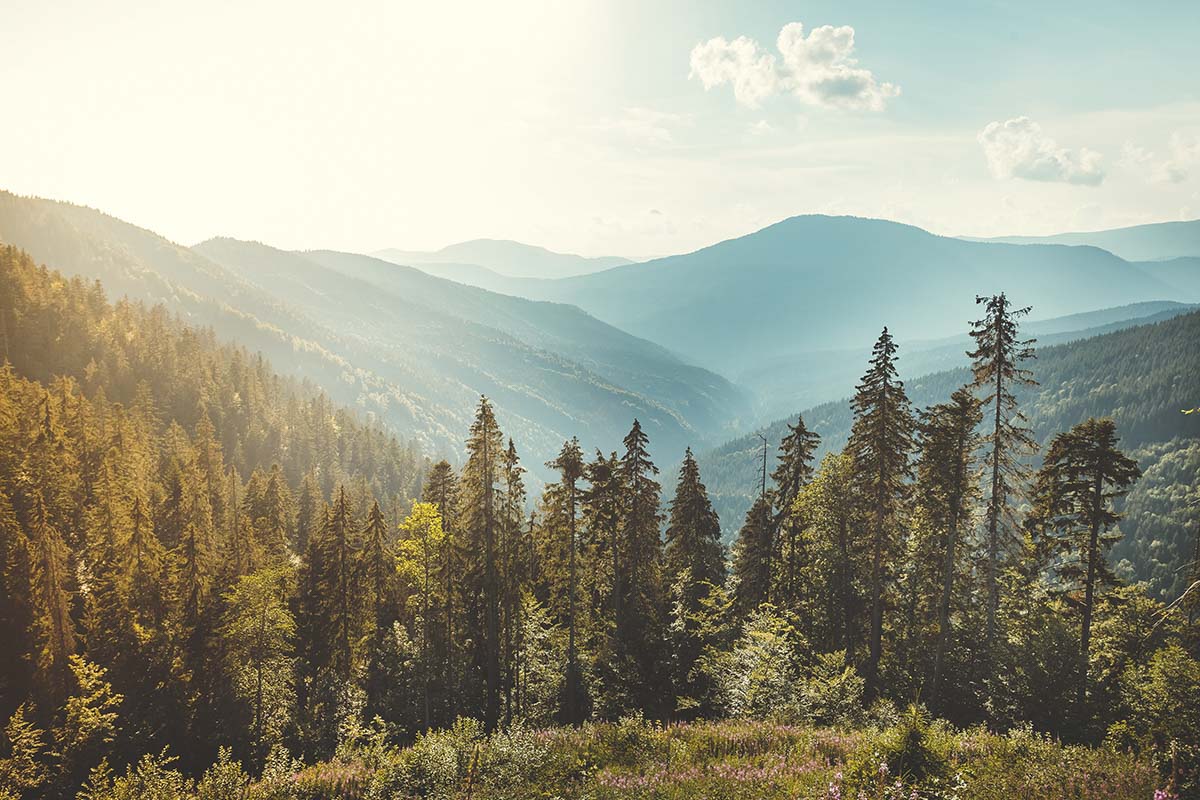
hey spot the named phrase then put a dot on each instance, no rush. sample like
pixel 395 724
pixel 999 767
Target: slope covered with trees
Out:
pixel 197 554
pixel 412 352
pixel 1142 377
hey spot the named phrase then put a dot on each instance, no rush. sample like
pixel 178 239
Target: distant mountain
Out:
pixel 817 283
pixel 502 256
pixel 1182 273
pixel 1141 376
pixel 807 379
pixel 552 364
pixel 400 352
pixel 1154 242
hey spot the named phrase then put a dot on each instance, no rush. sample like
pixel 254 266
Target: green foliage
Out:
pixel 22 768
pixel 1161 698
pixel 832 692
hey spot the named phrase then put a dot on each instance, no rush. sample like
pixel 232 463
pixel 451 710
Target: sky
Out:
pixel 614 127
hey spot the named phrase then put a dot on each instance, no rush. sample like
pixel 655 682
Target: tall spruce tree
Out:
pixel 793 472
pixel 997 373
pixel 442 490
pixel 640 625
pixel 694 560
pixel 569 464
pixel 1082 475
pixel 947 483
pixel 478 518
pixel 514 550
pixel 881 441
pixel 753 555
pixel 52 622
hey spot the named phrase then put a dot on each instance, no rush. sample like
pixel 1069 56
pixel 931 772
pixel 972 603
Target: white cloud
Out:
pixel 818 69
pixel 1185 154
pixel 1018 148
pixel 1176 168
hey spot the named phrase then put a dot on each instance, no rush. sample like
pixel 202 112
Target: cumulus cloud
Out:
pixel 818 68
pixel 1177 167
pixel 1185 154
pixel 1018 148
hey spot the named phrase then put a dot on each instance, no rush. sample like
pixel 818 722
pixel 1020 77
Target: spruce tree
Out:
pixel 478 518
pixel 570 467
pixel 832 517
pixel 752 558
pixel 442 490
pixel 514 551
pixel 997 373
pixel 792 473
pixel 640 624
pixel 881 440
pixel 694 560
pixel 1082 474
pixel 54 629
pixel 947 483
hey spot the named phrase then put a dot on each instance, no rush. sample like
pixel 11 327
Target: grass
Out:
pixel 914 759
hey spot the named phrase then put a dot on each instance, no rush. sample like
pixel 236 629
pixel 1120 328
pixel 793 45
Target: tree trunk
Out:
pixel 939 656
pixel 1089 589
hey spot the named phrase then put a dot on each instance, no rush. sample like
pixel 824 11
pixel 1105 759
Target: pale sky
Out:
pixel 627 127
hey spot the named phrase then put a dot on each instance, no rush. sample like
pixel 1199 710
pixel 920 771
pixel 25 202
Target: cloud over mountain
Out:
pixel 1018 148
pixel 818 69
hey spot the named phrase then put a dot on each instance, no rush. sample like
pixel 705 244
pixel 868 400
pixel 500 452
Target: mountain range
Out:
pixel 701 347
pixel 814 284
pixel 414 350
pixel 481 259
pixel 1158 241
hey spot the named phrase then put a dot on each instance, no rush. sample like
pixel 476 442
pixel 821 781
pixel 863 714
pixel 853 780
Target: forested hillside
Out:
pixel 144 466
pixel 803 380
pixel 538 361
pixel 1142 377
pixel 196 554
pixel 417 359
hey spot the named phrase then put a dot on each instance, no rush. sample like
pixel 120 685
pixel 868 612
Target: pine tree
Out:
pixel 832 517
pixel 570 466
pixel 881 440
pixel 694 560
pixel 640 624
pixel 947 483
pixel 514 550
pixel 308 511
pixel 340 545
pixel 478 518
pixel 422 538
pixel 753 553
pixel 997 374
pixel 53 626
pixel 257 634
pixel 793 472
pixel 442 490
pixel 1082 475
pixel 377 567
